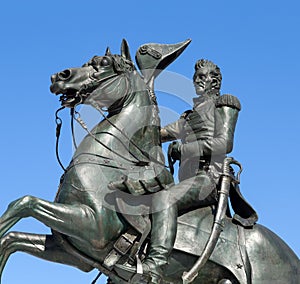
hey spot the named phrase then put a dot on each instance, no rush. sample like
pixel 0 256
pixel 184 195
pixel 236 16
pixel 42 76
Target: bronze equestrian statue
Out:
pixel 99 222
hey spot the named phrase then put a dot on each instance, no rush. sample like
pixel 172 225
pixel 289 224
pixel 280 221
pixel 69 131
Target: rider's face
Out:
pixel 204 81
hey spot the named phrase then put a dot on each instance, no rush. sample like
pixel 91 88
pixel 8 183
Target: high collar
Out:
pixel 203 98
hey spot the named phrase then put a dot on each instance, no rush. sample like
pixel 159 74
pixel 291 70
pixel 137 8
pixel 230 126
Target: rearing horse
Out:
pixel 125 146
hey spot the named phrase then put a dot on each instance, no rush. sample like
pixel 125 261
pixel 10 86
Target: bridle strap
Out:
pixel 72 127
pixel 84 126
pixel 83 92
pixel 144 153
pixel 58 122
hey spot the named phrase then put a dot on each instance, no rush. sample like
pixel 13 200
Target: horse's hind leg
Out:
pixel 71 220
pixel 42 246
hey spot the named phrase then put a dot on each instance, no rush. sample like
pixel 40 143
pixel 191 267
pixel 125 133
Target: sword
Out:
pixel 218 225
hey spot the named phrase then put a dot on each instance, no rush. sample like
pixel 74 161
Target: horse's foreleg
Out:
pixel 42 246
pixel 72 220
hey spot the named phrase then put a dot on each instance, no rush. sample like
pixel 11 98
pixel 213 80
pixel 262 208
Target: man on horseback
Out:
pixel 123 152
pixel 206 133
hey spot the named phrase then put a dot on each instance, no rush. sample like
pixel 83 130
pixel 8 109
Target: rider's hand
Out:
pixel 174 150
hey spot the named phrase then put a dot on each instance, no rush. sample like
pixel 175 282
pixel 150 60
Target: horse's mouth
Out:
pixel 70 98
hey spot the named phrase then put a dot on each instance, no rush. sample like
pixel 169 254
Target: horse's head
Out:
pixel 103 80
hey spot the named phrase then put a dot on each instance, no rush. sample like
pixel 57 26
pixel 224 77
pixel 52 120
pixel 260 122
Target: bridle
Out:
pixel 75 115
pixel 58 122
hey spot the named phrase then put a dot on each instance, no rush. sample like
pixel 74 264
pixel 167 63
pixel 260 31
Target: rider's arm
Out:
pixel 173 130
pixel 226 115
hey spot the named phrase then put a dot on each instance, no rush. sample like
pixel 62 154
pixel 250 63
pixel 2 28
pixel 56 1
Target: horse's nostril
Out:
pixel 64 75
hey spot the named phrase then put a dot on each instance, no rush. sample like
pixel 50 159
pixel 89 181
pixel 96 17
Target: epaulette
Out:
pixel 230 101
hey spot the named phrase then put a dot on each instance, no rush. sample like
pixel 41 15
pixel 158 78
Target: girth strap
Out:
pixel 121 247
pixel 243 253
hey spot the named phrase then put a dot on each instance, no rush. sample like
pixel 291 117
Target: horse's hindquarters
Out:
pixel 271 259
pixel 255 255
pixel 211 273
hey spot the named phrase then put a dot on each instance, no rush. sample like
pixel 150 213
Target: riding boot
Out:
pixel 163 233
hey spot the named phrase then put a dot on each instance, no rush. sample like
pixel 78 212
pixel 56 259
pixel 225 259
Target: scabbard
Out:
pixel 218 225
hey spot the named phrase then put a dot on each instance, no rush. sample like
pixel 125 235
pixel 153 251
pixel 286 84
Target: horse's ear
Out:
pixel 125 50
pixel 107 52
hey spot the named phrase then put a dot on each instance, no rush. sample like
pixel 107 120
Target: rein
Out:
pixel 126 136
pixel 85 88
pixel 58 122
pixel 72 128
pixel 73 112
pixel 84 126
pixel 81 94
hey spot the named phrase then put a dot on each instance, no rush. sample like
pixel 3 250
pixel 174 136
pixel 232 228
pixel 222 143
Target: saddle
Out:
pixel 194 229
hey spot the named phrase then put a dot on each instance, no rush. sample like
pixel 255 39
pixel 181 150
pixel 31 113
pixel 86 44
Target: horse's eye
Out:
pixel 105 62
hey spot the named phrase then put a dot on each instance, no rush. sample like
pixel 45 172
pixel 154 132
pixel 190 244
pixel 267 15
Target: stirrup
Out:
pixel 137 275
pixel 130 273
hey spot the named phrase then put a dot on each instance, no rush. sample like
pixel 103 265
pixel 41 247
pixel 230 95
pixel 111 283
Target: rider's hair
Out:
pixel 214 69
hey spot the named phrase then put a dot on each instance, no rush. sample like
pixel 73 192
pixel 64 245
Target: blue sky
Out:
pixel 255 43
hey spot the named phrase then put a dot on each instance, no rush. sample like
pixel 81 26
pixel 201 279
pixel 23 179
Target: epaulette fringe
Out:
pixel 229 100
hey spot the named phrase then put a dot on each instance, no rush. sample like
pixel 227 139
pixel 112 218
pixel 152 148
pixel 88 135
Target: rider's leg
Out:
pixel 189 194
pixel 196 192
pixel 163 233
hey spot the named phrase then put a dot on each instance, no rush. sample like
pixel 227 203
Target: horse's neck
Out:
pixel 134 127
pixel 139 120
pixel 130 127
